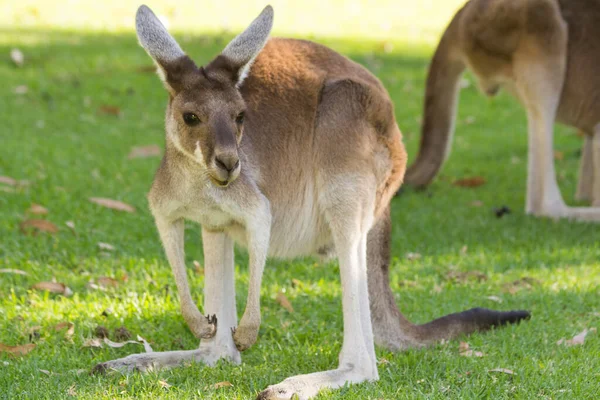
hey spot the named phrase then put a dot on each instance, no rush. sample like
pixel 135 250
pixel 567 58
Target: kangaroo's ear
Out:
pixel 171 61
pixel 244 48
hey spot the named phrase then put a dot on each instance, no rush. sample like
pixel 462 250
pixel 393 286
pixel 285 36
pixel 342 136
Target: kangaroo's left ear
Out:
pixel 244 48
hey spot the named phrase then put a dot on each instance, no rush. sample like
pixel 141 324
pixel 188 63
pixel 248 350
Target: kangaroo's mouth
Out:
pixel 218 182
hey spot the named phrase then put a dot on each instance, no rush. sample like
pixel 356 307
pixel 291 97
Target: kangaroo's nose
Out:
pixel 228 162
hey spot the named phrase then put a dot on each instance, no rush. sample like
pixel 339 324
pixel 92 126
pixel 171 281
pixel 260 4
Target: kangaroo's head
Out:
pixel 205 114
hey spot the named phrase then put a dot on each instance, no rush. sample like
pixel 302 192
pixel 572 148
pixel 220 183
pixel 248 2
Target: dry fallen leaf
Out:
pixel 45 371
pixel 577 340
pixel 17 350
pixel 221 384
pixel 474 181
pixel 112 204
pixel 34 225
pixel 71 391
pixel 476 203
pixel 8 180
pixel 145 151
pixel 109 110
pixel 106 282
pixel 54 287
pixel 92 342
pixel 70 331
pixel 284 302
pixel 12 271
pixel 37 209
pixel 465 351
pixel 503 370
pixel 146 69
pixel 413 256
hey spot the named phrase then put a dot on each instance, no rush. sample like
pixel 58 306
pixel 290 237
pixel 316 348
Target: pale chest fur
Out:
pixel 297 225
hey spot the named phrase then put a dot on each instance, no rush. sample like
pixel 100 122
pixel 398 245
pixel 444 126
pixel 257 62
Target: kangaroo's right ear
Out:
pixel 171 61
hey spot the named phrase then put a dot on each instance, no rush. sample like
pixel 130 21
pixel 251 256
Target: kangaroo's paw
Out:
pixel 202 327
pixel 244 336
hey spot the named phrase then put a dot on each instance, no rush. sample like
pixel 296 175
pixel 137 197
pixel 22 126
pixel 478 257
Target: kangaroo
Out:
pixel 287 149
pixel 546 53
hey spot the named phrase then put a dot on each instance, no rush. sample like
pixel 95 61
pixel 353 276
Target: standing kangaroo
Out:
pixel 288 150
pixel 547 53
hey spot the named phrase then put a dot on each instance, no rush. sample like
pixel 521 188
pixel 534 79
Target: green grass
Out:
pixel 55 137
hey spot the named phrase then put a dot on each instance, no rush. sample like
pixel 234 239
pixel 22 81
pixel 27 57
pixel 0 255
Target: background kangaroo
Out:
pixel 288 150
pixel 547 54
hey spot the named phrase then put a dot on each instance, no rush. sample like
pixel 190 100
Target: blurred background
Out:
pixel 418 20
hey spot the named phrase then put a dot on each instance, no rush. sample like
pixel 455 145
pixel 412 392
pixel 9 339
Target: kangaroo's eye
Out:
pixel 240 118
pixel 191 119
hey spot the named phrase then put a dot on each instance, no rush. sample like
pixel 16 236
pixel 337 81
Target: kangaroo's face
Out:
pixel 205 114
pixel 205 120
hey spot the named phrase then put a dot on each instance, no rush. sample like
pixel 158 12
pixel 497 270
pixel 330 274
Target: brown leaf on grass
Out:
pixel 71 391
pixel 437 288
pixel 33 226
pixel 45 372
pixel 12 271
pixel 109 110
pixel 146 69
pixel 7 180
pixel 465 351
pixel 222 384
pixel 17 350
pixel 106 281
pixel 37 209
pixel 112 204
pixel 145 151
pixel 284 302
pixel 464 276
pixel 577 340
pixel 71 226
pixel 92 342
pixel 70 329
pixel 54 287
pixel 502 370
pixel 471 182
pixel 476 203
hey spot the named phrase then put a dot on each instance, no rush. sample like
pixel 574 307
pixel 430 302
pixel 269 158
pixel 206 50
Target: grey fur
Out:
pixel 155 38
pixel 244 48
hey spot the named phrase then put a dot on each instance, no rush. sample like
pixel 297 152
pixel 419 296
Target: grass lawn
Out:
pixel 90 99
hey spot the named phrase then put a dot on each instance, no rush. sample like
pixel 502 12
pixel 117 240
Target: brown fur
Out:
pixel 536 48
